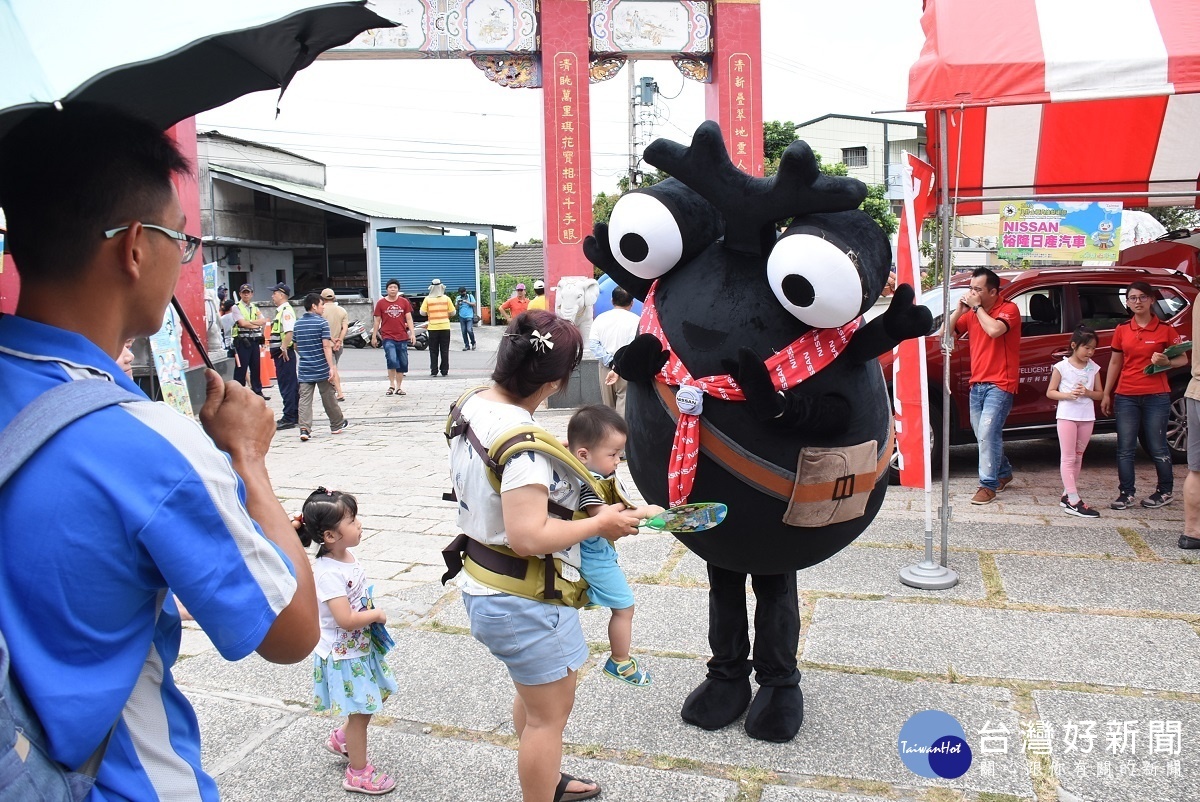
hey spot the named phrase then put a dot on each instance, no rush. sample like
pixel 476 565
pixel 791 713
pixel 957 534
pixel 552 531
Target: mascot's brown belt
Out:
pixel 785 485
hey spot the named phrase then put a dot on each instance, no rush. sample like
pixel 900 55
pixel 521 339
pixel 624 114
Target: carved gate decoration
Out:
pixel 562 46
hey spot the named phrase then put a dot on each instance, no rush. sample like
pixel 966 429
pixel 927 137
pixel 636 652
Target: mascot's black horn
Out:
pixel 752 206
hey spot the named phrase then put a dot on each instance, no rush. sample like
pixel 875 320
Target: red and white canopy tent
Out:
pixel 1058 97
pixel 1057 100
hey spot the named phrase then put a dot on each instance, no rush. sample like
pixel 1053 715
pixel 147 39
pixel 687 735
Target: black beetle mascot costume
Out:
pixel 753 382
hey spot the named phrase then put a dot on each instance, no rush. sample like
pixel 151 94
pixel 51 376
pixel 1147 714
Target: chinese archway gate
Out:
pixel 563 46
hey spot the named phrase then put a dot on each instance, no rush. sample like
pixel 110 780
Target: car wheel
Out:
pixel 935 447
pixel 1177 424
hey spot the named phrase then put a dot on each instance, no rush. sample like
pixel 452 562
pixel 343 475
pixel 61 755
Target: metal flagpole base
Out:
pixel 928 575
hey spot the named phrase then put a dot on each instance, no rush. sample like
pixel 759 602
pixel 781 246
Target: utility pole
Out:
pixel 641 95
pixel 633 98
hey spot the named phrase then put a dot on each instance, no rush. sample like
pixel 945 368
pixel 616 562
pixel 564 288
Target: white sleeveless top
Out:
pixel 1081 409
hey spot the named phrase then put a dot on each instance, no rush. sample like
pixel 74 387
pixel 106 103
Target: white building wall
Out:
pixel 261 265
pixel 831 136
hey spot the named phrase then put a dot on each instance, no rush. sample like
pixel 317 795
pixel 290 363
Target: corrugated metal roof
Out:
pixel 357 207
pixel 523 260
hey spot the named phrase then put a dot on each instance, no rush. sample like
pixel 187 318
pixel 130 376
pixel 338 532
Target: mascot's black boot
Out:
pixel 721 699
pixel 776 714
pixel 778 709
pixel 717 703
pixel 725 694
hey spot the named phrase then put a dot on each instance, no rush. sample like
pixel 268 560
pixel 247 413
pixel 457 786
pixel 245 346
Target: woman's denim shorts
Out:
pixel 538 642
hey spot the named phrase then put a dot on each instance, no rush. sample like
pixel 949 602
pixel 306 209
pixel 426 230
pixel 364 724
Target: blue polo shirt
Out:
pixel 309 336
pixel 118 507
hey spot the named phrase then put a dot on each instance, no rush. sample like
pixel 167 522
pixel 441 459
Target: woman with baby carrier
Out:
pixel 519 555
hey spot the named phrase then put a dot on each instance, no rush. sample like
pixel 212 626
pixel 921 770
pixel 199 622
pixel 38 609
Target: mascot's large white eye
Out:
pixel 815 281
pixel 643 236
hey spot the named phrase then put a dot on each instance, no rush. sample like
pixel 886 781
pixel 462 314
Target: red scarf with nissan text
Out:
pixel 802 359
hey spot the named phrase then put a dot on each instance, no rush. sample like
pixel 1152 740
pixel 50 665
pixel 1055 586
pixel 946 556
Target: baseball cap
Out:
pixel 327 294
pixel 539 285
pixel 281 287
pixel 245 288
pixel 435 282
pixel 520 286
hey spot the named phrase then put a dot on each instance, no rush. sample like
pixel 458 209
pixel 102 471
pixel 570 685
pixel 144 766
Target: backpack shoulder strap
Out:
pixel 32 428
pixel 49 413
pixel 526 437
pixel 534 438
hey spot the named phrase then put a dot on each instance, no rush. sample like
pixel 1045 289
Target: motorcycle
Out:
pixel 421 335
pixel 357 335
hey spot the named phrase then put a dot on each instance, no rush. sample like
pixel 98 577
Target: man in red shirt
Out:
pixel 394 324
pixel 993 328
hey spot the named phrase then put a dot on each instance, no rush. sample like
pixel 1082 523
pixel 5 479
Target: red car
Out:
pixel 1053 301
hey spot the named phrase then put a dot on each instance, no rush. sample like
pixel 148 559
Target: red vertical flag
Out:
pixel 909 381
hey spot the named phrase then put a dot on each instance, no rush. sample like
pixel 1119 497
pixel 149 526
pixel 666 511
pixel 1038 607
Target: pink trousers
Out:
pixel 1073 437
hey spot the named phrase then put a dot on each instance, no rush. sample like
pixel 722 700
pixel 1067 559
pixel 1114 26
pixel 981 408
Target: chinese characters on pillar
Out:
pixel 565 82
pixel 743 143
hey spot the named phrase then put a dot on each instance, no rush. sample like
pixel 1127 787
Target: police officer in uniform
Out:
pixel 283 352
pixel 248 324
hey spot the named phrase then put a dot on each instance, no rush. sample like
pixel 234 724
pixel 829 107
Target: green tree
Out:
pixel 776 137
pixel 1173 218
pixel 880 209
pixel 929 245
pixel 505 286
pixel 603 203
pixel 484 245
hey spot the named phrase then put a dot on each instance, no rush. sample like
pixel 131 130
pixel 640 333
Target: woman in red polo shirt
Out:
pixel 1141 402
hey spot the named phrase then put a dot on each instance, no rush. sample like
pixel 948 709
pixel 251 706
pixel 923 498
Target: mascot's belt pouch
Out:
pixel 499 567
pixel 830 485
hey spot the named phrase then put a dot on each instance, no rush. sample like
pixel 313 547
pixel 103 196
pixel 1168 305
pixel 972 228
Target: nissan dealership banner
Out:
pixel 1062 232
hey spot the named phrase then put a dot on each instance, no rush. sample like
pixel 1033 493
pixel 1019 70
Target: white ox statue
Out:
pixel 573 299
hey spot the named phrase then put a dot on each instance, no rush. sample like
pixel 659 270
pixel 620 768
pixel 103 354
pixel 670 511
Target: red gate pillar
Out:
pixel 10 285
pixel 567 139
pixel 734 97
pixel 190 289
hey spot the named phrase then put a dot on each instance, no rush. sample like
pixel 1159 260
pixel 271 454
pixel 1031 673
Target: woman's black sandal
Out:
pixel 561 794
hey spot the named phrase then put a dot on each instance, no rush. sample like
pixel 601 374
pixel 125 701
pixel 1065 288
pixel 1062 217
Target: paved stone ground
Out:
pixel 1068 651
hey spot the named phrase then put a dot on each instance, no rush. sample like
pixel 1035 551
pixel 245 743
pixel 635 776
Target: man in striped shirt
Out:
pixel 314 355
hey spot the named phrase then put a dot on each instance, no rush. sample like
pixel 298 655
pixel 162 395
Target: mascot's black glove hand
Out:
pixel 828 412
pixel 764 400
pixel 905 320
pixel 641 359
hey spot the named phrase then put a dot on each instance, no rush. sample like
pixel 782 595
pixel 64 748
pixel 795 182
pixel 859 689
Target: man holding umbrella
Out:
pixel 142 500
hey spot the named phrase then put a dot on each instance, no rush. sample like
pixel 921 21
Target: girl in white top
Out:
pixel 1074 385
pixel 350 675
pixel 540 644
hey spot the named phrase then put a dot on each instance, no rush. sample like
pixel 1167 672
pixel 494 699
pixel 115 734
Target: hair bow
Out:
pixel 541 342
